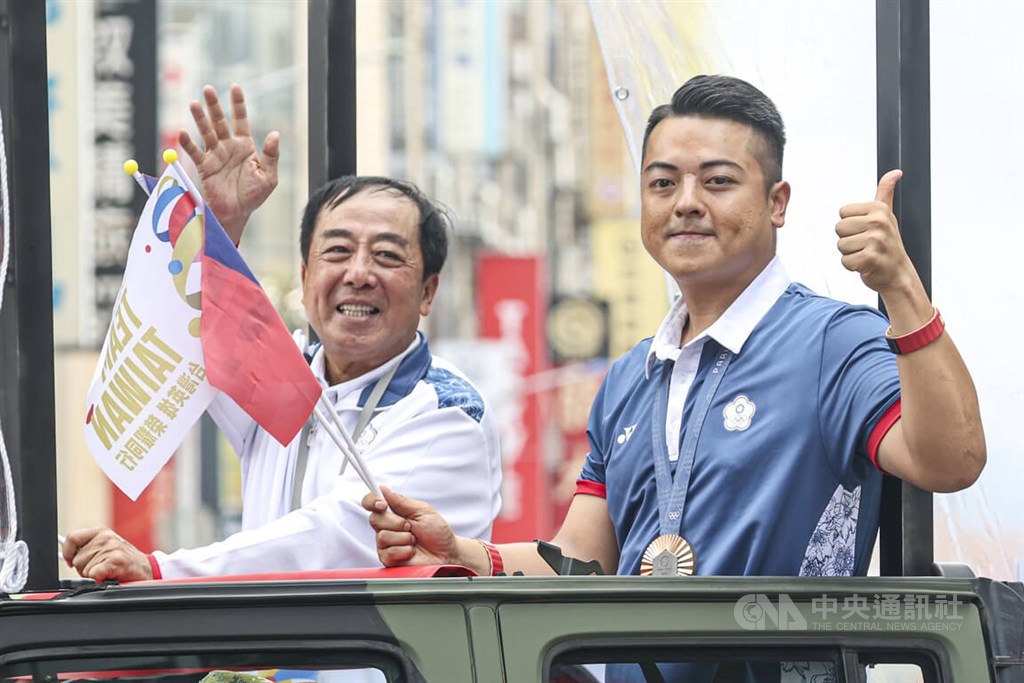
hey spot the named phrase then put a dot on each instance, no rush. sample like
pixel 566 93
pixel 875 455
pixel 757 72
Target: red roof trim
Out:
pixel 426 572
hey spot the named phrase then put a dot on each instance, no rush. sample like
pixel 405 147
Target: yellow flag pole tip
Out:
pixel 131 167
pixel 170 156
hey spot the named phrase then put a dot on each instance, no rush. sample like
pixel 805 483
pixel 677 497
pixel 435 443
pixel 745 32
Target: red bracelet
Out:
pixel 919 338
pixel 155 566
pixel 496 566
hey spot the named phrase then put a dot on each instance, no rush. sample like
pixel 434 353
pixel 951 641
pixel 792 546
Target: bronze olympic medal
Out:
pixel 668 555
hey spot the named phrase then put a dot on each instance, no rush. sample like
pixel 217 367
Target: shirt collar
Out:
pixel 733 327
pixel 417 349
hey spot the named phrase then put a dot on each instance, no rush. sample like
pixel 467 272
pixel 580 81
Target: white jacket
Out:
pixel 432 437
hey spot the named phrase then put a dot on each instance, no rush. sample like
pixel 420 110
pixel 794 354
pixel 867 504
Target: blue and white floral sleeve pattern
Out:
pixel 832 548
pixel 454 391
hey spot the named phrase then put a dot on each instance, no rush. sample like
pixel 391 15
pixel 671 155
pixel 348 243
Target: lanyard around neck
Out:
pixel 672 489
pixel 365 415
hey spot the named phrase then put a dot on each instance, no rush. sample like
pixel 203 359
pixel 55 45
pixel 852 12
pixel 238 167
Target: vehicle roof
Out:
pixel 511 588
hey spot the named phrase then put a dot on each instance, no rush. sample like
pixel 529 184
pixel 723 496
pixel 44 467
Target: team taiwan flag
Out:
pixel 247 350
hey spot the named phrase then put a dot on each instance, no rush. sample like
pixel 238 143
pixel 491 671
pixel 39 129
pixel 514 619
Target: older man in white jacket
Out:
pixel 372 251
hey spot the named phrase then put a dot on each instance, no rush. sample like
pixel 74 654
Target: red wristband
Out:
pixel 155 566
pixel 494 558
pixel 919 338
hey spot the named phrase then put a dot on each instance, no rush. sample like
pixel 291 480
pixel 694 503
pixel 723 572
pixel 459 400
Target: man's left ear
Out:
pixel 302 279
pixel 429 290
pixel 778 196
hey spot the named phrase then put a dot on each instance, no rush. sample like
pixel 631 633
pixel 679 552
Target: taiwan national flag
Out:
pixel 189 320
pixel 247 350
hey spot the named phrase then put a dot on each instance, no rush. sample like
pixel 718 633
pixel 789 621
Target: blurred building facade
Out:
pixel 502 110
pixel 499 110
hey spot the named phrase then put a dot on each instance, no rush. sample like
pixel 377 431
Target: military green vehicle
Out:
pixel 456 628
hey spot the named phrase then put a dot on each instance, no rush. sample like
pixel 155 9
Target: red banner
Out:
pixel 511 309
pixel 139 521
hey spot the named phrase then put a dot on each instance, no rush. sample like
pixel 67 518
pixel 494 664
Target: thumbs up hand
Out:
pixel 870 242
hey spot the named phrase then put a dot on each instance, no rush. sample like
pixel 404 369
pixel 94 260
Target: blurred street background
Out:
pixel 523 117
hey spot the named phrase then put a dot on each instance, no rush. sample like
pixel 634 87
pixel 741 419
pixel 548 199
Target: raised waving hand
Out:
pixel 235 178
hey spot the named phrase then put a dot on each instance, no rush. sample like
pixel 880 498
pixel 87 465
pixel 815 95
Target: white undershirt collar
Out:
pixel 731 330
pixel 733 327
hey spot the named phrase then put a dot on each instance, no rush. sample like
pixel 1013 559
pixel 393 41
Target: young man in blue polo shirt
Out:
pixel 750 435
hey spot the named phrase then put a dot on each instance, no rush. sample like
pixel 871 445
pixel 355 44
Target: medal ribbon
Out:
pixel 672 490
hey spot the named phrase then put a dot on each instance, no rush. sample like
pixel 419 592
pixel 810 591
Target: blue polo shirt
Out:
pixel 781 481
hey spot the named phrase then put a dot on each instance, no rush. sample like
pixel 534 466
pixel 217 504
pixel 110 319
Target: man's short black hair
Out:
pixel 434 219
pixel 726 97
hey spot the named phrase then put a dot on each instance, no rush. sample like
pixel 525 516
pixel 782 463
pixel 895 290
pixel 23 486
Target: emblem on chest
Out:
pixel 366 438
pixel 739 414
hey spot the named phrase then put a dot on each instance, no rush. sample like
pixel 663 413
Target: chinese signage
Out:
pixel 124 106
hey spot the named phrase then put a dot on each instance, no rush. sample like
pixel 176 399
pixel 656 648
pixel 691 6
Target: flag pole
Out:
pixel 343 441
pixel 171 157
pixel 131 167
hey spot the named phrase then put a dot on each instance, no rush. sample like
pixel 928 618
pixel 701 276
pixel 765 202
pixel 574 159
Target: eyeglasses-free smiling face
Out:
pixel 362 284
pixel 706 216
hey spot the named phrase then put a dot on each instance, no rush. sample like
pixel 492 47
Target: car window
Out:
pixel 633 663
pixel 354 674
pixel 372 664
